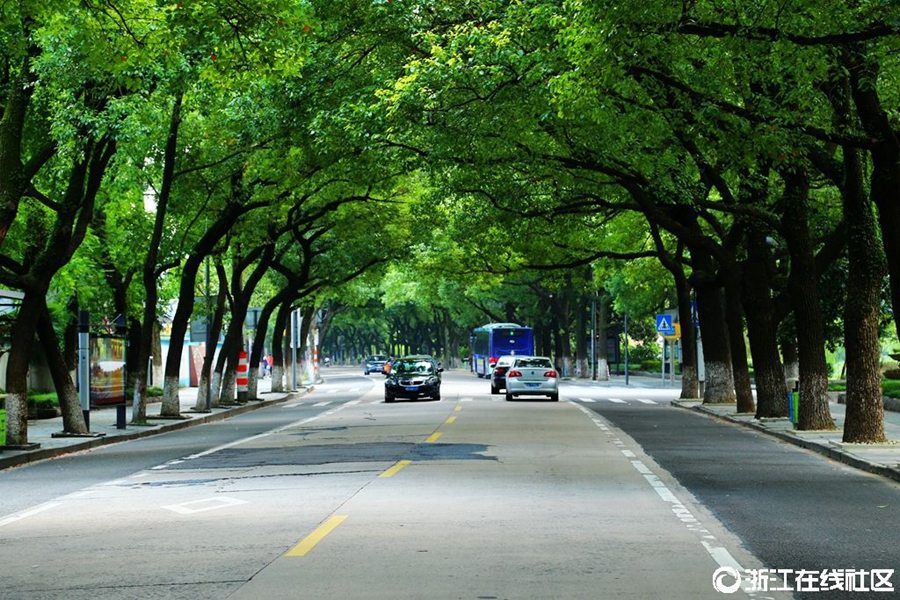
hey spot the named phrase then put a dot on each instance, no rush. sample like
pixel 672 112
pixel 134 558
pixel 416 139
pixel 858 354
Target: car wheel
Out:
pixel 509 397
pixel 495 389
pixel 388 398
pixel 554 397
pixel 437 396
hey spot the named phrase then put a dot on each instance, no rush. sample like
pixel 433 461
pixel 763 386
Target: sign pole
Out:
pixel 662 363
pixel 626 348
pixel 84 366
pixel 672 365
pixel 294 335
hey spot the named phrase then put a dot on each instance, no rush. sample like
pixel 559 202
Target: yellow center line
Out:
pixel 395 469
pixel 450 419
pixel 310 541
pixel 457 409
pixel 434 437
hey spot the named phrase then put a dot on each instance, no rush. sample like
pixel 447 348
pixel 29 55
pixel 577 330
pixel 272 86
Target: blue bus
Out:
pixel 494 340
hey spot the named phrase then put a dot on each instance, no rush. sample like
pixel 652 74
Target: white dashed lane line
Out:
pixel 709 542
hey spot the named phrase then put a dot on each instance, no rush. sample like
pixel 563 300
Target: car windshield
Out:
pixel 414 367
pixel 377 358
pixel 534 362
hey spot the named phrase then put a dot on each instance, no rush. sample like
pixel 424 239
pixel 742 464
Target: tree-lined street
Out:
pixel 200 195
pixel 399 174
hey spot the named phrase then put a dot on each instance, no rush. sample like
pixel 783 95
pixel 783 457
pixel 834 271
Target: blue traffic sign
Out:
pixel 664 324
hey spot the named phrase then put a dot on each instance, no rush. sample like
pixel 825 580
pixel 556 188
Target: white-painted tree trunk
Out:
pixel 277 378
pixel 171 403
pixel 253 385
pixel 229 389
pixel 719 384
pixel 602 370
pixel 583 369
pixel 215 389
pixel 17 419
pixel 202 390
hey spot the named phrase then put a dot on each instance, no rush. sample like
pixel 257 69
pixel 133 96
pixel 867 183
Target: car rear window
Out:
pixel 534 362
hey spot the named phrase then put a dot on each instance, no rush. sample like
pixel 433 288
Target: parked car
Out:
pixel 414 376
pixel 498 375
pixel 532 376
pixel 375 363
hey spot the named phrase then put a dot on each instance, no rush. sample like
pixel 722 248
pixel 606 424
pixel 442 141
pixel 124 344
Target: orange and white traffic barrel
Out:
pixel 242 380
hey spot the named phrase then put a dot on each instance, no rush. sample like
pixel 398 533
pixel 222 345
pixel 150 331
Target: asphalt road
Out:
pixel 794 509
pixel 607 494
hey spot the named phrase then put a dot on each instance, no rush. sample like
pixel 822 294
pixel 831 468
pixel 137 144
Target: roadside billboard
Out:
pixel 107 370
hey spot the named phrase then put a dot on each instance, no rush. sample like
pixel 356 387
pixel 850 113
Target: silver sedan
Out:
pixel 532 376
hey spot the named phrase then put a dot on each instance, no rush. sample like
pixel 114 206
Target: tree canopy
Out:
pixel 403 172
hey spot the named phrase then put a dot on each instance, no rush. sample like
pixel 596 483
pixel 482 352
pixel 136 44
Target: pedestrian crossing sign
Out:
pixel 664 325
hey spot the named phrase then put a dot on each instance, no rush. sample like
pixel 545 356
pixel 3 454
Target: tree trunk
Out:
pixel 734 319
pixel 231 349
pixel 864 422
pixel 690 385
pixel 582 364
pixel 281 323
pixel 226 368
pixel 205 395
pixel 602 372
pixel 150 271
pixel 562 342
pixel 69 402
pixel 814 412
pixel 869 259
pixel 719 388
pixel 762 330
pixel 171 405
pixel 864 76
pixel 13 180
pixel 22 342
pixel 259 342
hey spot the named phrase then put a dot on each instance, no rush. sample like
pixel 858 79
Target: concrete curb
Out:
pixel 220 414
pixel 825 449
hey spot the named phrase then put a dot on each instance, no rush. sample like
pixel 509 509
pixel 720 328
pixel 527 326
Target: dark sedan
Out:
pixel 417 376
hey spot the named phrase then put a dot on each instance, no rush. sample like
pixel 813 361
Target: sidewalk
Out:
pixel 45 434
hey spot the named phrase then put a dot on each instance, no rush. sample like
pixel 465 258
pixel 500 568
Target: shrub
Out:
pixel 644 352
pixel 42 406
pixel 891 388
pixel 44 398
pixel 653 366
